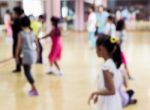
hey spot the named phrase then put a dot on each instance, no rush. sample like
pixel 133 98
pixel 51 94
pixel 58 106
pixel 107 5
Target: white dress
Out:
pixel 112 102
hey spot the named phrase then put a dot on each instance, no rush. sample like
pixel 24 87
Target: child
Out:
pixel 107 96
pixel 110 28
pixel 8 24
pixel 56 50
pixel 120 27
pixel 37 26
pixel 26 44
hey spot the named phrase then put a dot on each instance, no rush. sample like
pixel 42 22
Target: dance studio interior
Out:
pixel 74 54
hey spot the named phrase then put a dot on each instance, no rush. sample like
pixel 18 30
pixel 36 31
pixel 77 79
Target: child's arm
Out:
pixel 125 77
pixel 109 84
pixel 46 36
pixel 36 40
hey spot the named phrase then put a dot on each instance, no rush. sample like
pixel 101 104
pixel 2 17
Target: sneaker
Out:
pixel 133 101
pixel 131 78
pixel 33 93
pixel 50 71
pixel 60 73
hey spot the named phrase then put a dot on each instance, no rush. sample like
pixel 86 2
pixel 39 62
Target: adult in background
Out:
pixel 18 13
pixel 101 16
pixel 91 27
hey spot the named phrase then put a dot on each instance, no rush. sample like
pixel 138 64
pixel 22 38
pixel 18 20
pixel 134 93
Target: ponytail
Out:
pixel 116 56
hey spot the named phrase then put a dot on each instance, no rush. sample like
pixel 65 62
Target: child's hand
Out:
pixel 92 96
pixel 95 99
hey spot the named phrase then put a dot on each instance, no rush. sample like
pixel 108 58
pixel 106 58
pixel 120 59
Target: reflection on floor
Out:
pixel 80 65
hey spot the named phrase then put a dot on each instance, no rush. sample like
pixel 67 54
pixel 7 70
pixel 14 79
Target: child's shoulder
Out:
pixel 108 65
pixel 56 32
pixel 55 29
pixel 108 62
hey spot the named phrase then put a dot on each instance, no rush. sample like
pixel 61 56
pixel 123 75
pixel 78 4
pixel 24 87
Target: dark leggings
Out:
pixel 27 71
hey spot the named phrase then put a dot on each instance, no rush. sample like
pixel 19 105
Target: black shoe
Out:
pixel 50 73
pixel 39 62
pixel 133 101
pixel 16 71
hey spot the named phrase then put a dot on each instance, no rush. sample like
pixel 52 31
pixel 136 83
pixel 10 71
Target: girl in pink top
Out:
pixel 56 50
pixel 124 62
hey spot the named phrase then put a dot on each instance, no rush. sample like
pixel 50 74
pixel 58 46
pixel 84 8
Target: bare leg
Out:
pixel 129 76
pixel 60 73
pixel 50 71
pixel 51 64
pixel 33 87
pixel 57 65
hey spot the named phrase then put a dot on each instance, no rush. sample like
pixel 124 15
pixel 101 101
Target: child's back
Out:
pixel 28 47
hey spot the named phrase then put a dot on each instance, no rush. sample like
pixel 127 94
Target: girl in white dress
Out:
pixel 109 80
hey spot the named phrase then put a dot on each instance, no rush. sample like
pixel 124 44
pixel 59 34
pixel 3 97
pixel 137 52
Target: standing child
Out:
pixel 8 24
pixel 56 50
pixel 120 27
pixel 26 41
pixel 107 96
pixel 37 26
pixel 110 28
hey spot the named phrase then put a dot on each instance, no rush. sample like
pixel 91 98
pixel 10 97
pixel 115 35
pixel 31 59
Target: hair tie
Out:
pixel 114 40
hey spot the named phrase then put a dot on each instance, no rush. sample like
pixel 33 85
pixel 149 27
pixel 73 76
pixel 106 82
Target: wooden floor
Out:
pixel 80 65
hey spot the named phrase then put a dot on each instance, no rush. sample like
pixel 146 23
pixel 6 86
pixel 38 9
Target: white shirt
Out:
pixel 114 101
pixel 91 26
pixel 7 19
pixel 110 29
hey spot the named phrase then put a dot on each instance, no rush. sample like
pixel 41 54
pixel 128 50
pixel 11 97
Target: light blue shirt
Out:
pixel 101 21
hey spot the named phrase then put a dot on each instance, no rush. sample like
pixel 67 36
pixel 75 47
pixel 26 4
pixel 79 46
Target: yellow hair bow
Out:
pixel 114 40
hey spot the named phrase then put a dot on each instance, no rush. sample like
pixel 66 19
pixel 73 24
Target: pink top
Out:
pixel 56 50
pixel 123 58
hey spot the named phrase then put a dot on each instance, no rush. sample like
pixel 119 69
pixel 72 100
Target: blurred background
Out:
pixel 57 93
pixel 134 10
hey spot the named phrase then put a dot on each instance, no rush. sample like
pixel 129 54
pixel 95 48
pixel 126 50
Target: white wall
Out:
pixel 33 7
pixel 96 2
